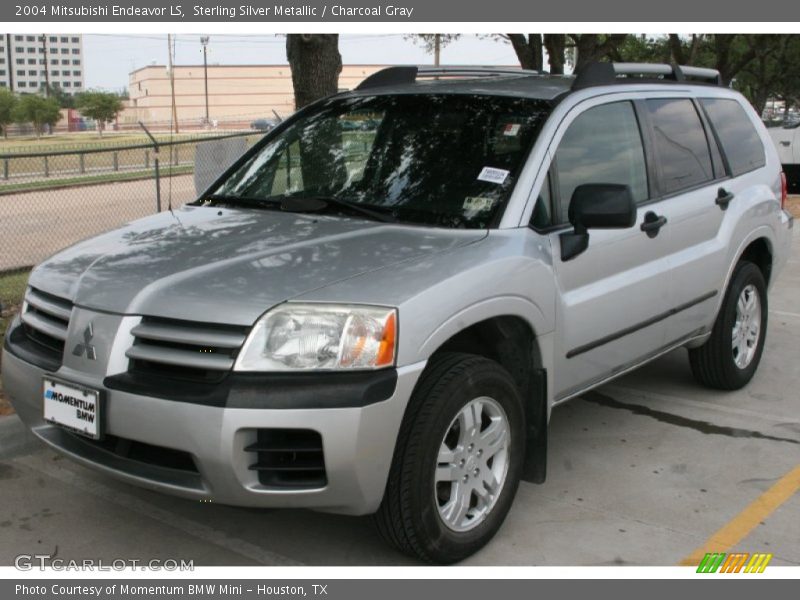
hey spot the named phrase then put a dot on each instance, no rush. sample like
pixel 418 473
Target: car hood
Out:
pixel 229 265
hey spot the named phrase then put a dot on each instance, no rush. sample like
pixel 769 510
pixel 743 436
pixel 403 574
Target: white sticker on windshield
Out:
pixel 476 204
pixel 493 175
pixel 511 129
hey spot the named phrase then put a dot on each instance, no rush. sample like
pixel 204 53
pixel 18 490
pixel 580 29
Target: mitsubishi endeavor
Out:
pixel 376 308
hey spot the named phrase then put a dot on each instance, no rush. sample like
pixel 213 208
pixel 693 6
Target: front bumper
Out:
pixel 358 442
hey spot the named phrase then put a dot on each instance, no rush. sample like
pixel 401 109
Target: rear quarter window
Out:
pixel 739 138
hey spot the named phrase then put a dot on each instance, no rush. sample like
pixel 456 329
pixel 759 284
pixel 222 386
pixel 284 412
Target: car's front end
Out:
pixel 243 438
pixel 186 367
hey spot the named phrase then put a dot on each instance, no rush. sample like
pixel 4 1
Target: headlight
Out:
pixel 303 337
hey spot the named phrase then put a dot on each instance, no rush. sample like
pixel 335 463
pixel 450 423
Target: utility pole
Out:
pixel 172 83
pixel 46 71
pixel 10 63
pixel 47 78
pixel 437 48
pixel 204 41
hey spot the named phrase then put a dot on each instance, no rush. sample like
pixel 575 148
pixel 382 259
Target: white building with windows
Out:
pixel 27 61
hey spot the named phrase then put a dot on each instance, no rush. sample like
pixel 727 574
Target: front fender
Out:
pixel 514 306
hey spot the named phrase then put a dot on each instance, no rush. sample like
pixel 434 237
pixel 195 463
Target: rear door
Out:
pixel 705 187
pixel 692 184
pixel 613 294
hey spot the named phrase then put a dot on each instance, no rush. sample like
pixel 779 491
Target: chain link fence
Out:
pixel 50 200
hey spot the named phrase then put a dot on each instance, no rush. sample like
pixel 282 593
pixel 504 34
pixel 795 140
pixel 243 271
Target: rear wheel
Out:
pixel 730 357
pixel 458 460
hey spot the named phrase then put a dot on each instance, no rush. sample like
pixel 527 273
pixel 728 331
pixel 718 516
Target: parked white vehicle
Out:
pixel 787 141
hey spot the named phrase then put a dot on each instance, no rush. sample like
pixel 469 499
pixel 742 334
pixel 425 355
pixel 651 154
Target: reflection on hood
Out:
pixel 228 265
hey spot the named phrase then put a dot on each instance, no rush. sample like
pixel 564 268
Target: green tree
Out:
pixel 556 46
pixel 787 87
pixel 39 112
pixel 7 103
pixel 100 106
pixel 694 50
pixel 586 47
pixel 433 42
pixel 593 47
pixel 758 79
pixel 55 91
pixel 642 49
pixel 315 62
pixel 529 49
pixel 732 53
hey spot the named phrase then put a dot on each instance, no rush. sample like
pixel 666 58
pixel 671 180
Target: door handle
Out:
pixel 787 144
pixel 723 198
pixel 653 223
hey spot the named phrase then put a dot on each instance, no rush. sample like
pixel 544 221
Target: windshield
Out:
pixel 445 160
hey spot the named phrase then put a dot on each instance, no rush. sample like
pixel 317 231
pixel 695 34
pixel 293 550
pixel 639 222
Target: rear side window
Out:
pixel 736 133
pixel 681 144
pixel 602 145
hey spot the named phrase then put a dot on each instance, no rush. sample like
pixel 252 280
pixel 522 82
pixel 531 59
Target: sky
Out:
pixel 109 58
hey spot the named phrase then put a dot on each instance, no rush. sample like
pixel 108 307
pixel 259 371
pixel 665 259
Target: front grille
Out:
pixel 289 458
pixel 149 454
pixel 184 349
pixel 45 319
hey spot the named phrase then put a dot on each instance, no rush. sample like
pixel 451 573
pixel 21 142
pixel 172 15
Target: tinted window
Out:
pixel 602 145
pixel 736 133
pixel 448 160
pixel 681 144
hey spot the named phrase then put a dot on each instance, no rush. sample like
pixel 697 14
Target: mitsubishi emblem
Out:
pixel 86 346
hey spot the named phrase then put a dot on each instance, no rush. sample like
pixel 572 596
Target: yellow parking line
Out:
pixel 738 528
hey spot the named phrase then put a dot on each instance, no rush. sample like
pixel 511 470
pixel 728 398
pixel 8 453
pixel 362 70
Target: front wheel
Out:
pixel 730 357
pixel 458 460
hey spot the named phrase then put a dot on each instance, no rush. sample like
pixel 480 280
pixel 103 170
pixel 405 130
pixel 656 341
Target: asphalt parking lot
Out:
pixel 649 470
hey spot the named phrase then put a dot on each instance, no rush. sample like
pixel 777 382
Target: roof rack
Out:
pixel 409 74
pixel 596 74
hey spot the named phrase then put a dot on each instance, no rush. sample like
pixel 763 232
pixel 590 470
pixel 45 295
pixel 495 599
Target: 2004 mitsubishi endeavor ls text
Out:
pixel 375 309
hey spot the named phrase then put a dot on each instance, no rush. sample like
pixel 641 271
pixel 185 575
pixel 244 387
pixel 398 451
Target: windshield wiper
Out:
pixel 320 203
pixel 263 203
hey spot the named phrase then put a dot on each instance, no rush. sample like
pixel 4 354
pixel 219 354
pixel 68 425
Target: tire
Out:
pixel 714 364
pixel 412 514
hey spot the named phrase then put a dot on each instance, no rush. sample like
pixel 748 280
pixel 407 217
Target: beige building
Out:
pixel 237 94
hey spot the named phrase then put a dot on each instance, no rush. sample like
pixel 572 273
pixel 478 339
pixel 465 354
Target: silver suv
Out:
pixel 376 308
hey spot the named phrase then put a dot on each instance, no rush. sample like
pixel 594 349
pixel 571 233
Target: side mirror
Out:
pixel 596 206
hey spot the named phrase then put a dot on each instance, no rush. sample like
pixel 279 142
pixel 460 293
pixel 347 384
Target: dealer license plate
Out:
pixel 72 406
